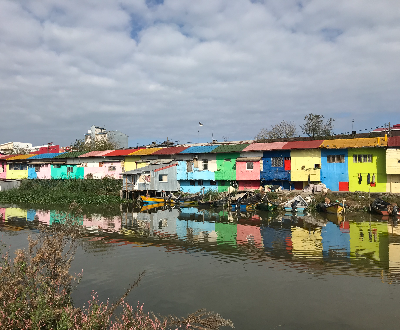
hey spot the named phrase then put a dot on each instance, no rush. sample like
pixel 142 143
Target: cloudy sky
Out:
pixel 154 69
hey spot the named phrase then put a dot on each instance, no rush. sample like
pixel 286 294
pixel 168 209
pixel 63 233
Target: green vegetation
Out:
pixel 64 192
pixel 36 287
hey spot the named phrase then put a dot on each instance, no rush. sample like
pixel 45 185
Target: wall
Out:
pixel 377 167
pixel 333 173
pixel 172 183
pixel 131 163
pixel 269 173
pixel 43 173
pixel 226 169
pixel 6 185
pixel 188 188
pixel 92 168
pixel 242 173
pixel 303 165
pixel 393 161
pixel 16 174
pixel 393 183
pixel 3 170
pixel 61 173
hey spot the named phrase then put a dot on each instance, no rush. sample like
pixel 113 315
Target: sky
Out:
pixel 155 69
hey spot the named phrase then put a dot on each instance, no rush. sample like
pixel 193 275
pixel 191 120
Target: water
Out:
pixel 259 270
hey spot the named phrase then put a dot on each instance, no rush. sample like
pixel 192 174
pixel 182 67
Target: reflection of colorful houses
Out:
pixel 306 243
pixel 15 213
pixel 2 213
pixel 335 240
pixel 43 216
pixel 369 240
pixel 226 156
pixel 248 233
pixel 61 217
pixel 30 215
pixel 305 162
pixel 394 247
pixel 196 170
pixel 98 222
pixel 277 240
pixel 227 233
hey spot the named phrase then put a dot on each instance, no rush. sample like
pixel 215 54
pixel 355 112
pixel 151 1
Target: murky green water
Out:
pixel 261 271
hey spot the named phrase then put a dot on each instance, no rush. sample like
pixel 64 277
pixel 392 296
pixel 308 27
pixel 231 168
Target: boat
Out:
pixel 156 200
pixel 247 202
pixel 297 204
pixel 266 206
pixel 151 206
pixel 382 207
pixel 328 207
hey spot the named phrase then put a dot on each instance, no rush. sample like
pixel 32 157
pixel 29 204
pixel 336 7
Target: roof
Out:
pixel 96 153
pixel 230 148
pixel 384 129
pixel 354 143
pixel 20 157
pixel 302 144
pixel 4 157
pixel 199 149
pixel 121 152
pixel 151 167
pixel 394 141
pixel 143 152
pixel 72 154
pixel 248 159
pixel 170 151
pixel 265 146
pixel 45 156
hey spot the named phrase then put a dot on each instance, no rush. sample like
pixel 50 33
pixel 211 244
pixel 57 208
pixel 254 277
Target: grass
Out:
pixel 64 192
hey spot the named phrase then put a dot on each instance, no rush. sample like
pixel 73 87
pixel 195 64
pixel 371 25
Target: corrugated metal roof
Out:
pixel 143 152
pixel 394 141
pixel 96 153
pixel 121 152
pixel 72 154
pixel 265 146
pixel 20 157
pixel 248 159
pixel 314 144
pixel 4 157
pixel 354 143
pixel 170 151
pixel 199 149
pixel 45 156
pixel 151 167
pixel 230 148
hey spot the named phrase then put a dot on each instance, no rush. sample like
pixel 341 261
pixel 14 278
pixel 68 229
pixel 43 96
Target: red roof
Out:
pixel 394 141
pixel 96 153
pixel 122 152
pixel 170 151
pixel 314 144
pixel 264 146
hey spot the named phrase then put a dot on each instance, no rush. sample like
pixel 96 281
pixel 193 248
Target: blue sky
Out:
pixel 154 69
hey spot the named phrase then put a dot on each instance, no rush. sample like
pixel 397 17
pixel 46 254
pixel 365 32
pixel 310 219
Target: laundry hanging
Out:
pixel 359 178
pixel 373 178
pixel 368 178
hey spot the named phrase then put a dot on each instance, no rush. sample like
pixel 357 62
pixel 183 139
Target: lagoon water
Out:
pixel 261 270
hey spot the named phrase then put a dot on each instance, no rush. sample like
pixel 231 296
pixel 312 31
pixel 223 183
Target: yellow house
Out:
pixel 135 160
pixel 393 170
pixel 17 167
pixel 305 165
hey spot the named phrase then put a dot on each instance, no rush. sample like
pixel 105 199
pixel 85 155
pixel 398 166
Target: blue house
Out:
pixel 334 169
pixel 197 172
pixel 276 168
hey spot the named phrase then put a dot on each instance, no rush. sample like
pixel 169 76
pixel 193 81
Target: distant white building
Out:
pixel 99 133
pixel 15 147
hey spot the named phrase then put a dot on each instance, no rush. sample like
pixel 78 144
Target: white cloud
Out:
pixel 155 70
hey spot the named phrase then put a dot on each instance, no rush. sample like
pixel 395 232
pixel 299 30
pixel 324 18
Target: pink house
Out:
pixel 44 172
pixel 3 166
pixel 248 172
pixel 97 166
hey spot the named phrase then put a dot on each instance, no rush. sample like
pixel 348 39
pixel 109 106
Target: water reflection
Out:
pixel 359 244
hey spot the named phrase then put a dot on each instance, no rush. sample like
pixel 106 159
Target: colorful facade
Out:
pixel 334 169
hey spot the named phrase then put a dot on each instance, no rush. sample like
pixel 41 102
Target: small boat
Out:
pixel 328 207
pixel 266 206
pixel 382 207
pixel 148 207
pixel 297 204
pixel 246 202
pixel 156 200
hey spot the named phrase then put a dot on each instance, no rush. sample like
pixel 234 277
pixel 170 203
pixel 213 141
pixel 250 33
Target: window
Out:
pixel 362 158
pixel 189 166
pixel 277 161
pixel 112 168
pixel 227 159
pixel 249 165
pixel 213 183
pixel 192 182
pixel 205 164
pixel 163 177
pixel 70 169
pixel 200 183
pixel 317 166
pixel 56 166
pixel 37 168
pixel 335 159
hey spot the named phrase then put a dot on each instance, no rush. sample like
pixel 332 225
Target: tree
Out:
pixel 97 145
pixel 283 130
pixel 315 126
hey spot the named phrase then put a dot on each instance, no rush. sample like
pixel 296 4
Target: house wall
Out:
pixel 187 187
pixel 43 173
pixel 333 173
pixel 3 170
pixel 393 161
pixel 242 173
pixel 78 172
pixel 92 168
pixel 226 169
pixel 249 184
pixel 303 165
pixel 16 174
pixel 133 163
pixel 377 167
pixel 172 183
pixel 269 173
pixel 393 183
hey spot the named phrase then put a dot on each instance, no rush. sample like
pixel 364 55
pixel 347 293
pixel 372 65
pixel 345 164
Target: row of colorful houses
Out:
pixel 359 164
